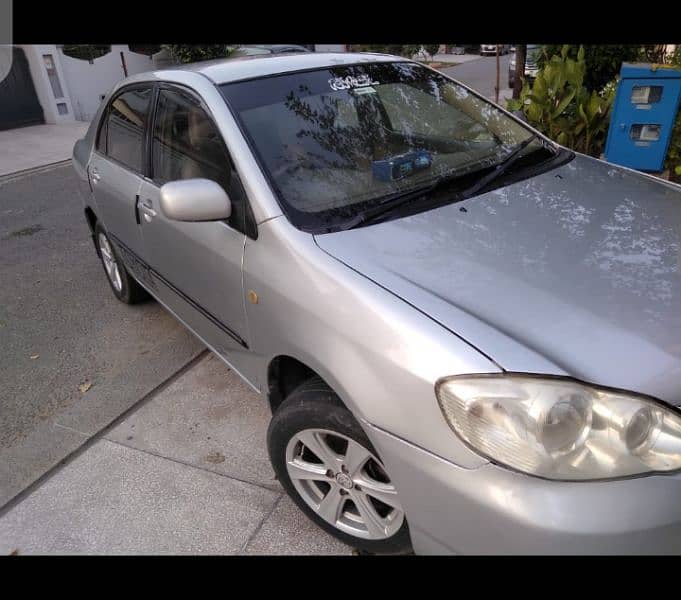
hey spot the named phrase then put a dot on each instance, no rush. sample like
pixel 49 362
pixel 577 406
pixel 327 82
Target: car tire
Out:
pixel 124 287
pixel 338 496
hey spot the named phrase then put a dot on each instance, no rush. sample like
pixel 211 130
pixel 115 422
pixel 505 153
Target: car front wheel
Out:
pixel 329 467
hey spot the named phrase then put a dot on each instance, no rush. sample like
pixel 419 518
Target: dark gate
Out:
pixel 19 104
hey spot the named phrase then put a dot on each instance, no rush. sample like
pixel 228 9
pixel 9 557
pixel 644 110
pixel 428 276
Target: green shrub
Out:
pixel 673 159
pixel 559 104
pixel 603 62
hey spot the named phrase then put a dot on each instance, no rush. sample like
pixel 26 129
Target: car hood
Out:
pixel 575 271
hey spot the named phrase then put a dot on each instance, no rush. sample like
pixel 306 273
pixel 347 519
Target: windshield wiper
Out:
pixel 393 201
pixel 500 169
pixel 390 203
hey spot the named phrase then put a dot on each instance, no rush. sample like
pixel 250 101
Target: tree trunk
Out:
pixel 520 54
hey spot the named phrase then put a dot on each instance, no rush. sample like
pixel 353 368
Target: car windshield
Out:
pixel 336 141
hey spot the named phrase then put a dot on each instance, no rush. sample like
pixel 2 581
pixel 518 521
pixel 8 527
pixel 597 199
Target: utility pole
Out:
pixel 125 67
pixel 496 87
pixel 520 55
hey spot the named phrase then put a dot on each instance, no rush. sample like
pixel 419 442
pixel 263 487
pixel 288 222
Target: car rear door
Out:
pixel 196 266
pixel 117 166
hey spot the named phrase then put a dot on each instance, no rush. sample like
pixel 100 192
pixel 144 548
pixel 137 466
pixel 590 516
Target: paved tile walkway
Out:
pixel 185 473
pixel 38 145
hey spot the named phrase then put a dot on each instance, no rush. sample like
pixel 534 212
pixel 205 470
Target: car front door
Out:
pixel 196 266
pixel 117 166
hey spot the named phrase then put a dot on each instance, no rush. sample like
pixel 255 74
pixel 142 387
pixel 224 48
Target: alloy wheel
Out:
pixel 344 483
pixel 110 263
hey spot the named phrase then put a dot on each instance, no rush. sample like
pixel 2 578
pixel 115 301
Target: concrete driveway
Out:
pixel 30 147
pixel 186 473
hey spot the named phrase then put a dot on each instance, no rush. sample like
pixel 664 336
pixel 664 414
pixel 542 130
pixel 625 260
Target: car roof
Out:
pixel 275 47
pixel 225 70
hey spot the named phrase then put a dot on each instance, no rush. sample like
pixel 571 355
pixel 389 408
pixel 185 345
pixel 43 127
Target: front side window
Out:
pixel 124 128
pixel 336 141
pixel 187 145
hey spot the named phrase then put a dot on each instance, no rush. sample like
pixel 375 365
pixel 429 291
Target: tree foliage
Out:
pixel 410 50
pixel 85 51
pixel 187 53
pixel 431 49
pixel 397 49
pixel 146 49
pixel 602 62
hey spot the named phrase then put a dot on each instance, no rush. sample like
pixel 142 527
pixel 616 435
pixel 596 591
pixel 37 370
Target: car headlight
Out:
pixel 558 428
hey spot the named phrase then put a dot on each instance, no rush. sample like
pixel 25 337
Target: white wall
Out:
pixel 34 54
pixel 88 82
pixel 329 47
pixel 84 83
pixel 5 61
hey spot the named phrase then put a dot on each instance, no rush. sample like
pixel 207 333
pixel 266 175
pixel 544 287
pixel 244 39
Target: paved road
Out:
pixel 481 74
pixel 60 328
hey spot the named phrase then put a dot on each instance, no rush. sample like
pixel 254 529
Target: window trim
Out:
pixel 251 227
pixel 101 129
pixel 105 118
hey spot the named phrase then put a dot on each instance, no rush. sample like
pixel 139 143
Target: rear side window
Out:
pixel 124 127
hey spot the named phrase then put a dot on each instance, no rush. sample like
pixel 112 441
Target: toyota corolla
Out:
pixel 468 335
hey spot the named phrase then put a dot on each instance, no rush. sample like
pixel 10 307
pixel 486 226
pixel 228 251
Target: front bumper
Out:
pixel 491 510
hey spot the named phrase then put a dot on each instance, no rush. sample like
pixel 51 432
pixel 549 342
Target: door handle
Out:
pixel 94 174
pixel 147 209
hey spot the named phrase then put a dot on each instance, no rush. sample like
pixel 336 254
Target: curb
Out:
pixel 33 170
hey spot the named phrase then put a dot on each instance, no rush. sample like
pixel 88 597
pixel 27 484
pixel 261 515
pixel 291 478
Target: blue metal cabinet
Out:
pixel 643 116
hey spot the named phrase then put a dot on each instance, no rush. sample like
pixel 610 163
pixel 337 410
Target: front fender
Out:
pixel 380 355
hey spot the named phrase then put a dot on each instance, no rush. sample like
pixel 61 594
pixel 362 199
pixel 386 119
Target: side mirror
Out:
pixel 195 200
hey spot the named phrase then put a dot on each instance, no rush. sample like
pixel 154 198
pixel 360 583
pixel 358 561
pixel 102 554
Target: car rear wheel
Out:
pixel 329 467
pixel 124 287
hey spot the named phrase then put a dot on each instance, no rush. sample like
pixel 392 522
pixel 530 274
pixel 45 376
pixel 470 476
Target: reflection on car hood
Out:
pixel 575 271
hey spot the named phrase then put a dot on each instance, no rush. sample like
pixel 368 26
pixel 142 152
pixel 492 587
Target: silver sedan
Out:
pixel 468 335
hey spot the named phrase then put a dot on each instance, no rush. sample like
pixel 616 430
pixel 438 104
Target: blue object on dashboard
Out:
pixel 398 167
